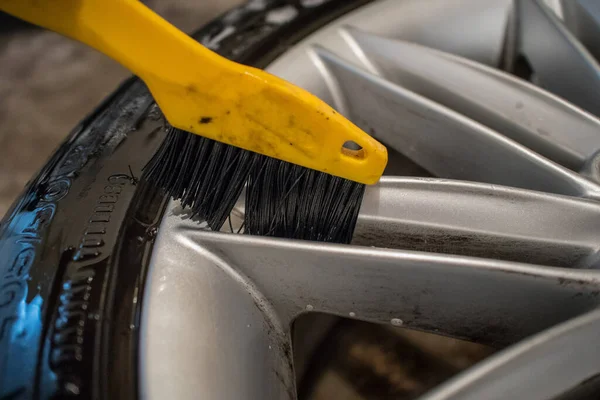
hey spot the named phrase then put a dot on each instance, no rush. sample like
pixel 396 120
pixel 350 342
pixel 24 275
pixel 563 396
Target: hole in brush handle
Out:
pixel 352 149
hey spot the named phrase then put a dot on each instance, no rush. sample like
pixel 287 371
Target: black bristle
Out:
pixel 207 176
pixel 282 199
pixel 290 201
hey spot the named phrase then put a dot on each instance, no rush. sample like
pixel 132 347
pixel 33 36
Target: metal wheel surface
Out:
pixel 485 228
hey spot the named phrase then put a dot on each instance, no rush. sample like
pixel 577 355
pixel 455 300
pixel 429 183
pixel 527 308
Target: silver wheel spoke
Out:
pixel 441 140
pixel 560 62
pixel 458 296
pixel 479 220
pixel 209 330
pixel 469 28
pixel 466 218
pixel 534 369
pixel 511 106
pixel 582 17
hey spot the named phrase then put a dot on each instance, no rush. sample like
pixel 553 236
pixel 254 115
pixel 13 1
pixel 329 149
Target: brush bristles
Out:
pixel 282 199
pixel 287 200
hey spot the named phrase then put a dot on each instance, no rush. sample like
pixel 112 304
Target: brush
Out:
pixel 230 126
pixel 282 199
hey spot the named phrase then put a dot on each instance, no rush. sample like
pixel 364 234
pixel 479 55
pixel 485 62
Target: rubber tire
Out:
pixel 75 246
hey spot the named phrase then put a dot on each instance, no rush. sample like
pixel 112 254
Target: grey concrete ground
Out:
pixel 49 83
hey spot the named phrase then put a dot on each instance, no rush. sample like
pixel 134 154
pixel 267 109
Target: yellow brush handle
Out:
pixel 204 93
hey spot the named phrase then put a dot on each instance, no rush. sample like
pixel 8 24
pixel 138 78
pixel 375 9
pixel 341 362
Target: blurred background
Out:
pixel 49 83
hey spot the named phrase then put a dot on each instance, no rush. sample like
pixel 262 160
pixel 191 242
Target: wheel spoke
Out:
pixel 536 368
pixel 479 220
pixel 466 218
pixel 208 330
pixel 484 300
pixel 511 106
pixel 582 17
pixel 560 62
pixel 443 141
pixel 469 28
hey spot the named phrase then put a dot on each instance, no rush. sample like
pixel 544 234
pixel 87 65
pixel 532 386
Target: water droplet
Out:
pixel 309 308
pixel 248 326
pixel 396 321
pixel 151 232
pixel 72 388
pixel 132 326
pixel 154 113
pixel 91 316
pixel 352 314
pixel 269 347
